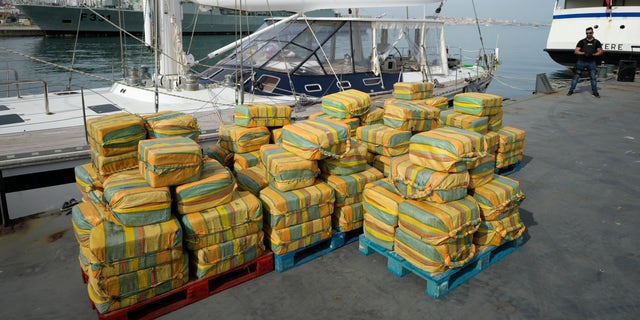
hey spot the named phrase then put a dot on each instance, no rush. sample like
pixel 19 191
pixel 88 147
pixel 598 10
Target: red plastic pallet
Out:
pixel 193 291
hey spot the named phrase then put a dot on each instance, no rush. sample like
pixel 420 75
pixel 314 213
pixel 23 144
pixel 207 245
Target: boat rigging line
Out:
pixel 73 55
pixel 484 53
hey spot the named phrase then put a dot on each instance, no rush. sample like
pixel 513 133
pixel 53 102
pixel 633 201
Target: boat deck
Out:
pixel 579 258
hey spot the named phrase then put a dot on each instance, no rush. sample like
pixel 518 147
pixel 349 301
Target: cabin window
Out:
pixel 337 57
pixel 371 82
pixel 267 83
pixel 344 85
pixel 313 87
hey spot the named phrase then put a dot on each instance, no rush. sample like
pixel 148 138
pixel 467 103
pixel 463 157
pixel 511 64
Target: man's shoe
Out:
pixel 569 93
pixel 597 95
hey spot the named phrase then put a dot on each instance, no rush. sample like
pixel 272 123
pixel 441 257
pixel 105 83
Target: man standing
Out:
pixel 587 50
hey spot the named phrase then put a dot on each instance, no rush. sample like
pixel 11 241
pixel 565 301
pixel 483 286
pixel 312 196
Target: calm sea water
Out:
pixel 521 55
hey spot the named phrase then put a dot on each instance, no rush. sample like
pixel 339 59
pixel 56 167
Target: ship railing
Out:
pixel 45 87
pixel 9 72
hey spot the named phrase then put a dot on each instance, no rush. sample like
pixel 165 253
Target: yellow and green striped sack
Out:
pixel 286 170
pixel 408 115
pixel 246 160
pixel 276 135
pixel 106 304
pixel 107 166
pixel 116 133
pixel 262 115
pixel 498 198
pixel 170 161
pixel 434 259
pixel 130 283
pixel 240 139
pixel 381 200
pixel 347 218
pixel 298 236
pixel 378 232
pixel 252 179
pixel 353 123
pixel 412 90
pixel 352 184
pixel 422 183
pixel 317 139
pixel 441 103
pixel 477 103
pixel 495 121
pixel 451 118
pixel 355 160
pixel 240 217
pixel 510 138
pixel 222 155
pixel 447 149
pixel 87 178
pixel 224 256
pixel 133 202
pixel 438 223
pixel 491 139
pixel 484 172
pixel 170 124
pixel 288 208
pixel 373 116
pixel 382 164
pixel 85 216
pixel 384 140
pixel 497 232
pixel 346 104
pixel 215 187
pixel 505 159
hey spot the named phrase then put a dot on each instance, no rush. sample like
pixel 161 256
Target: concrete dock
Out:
pixel 580 258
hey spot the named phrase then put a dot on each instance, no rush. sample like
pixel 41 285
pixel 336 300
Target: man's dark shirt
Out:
pixel 589 48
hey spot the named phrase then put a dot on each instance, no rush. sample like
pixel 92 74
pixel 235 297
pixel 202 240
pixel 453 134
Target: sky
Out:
pixel 522 10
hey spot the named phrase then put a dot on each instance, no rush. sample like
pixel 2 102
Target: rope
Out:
pixel 75 45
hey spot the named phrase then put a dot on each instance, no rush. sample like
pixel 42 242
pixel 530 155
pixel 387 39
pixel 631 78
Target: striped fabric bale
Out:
pixel 298 236
pixel 494 122
pixel 378 232
pixel 238 218
pixel 430 258
pixel 348 200
pixel 108 165
pixel 384 140
pixel 412 90
pixel 317 139
pixel 477 103
pixel 441 103
pixel 106 304
pixel 87 178
pixel 447 149
pixel 131 283
pixel 285 209
pixel 85 216
pixel 262 115
pixel 133 202
pixel 170 161
pixel 347 218
pixel 382 164
pixel 451 118
pixel 408 115
pixel 215 187
pixel 222 155
pixel 227 255
pixel 346 104
pixel 483 173
pixel 94 196
pixel 287 171
pixel 352 184
pixel 491 139
pixel 381 200
pixel 497 232
pixel 421 183
pixel 505 159
pixel 115 134
pixel 374 116
pixel 252 179
pixel 276 135
pixel 510 139
pixel 355 160
pixel 439 223
pixel 353 123
pixel 170 124
pixel 240 139
pixel 498 198
pixel 246 160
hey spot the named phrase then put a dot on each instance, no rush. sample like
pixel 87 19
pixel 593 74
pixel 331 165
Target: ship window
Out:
pixel 344 85
pixel 10 118
pixel 313 87
pixel 371 81
pixel 66 21
pixel 104 108
pixel 267 83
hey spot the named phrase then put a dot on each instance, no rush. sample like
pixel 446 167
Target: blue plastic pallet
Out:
pixel 301 256
pixel 512 168
pixel 440 284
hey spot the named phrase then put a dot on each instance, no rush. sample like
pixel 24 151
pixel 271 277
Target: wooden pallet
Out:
pixel 301 256
pixel 193 291
pixel 439 284
pixel 512 168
